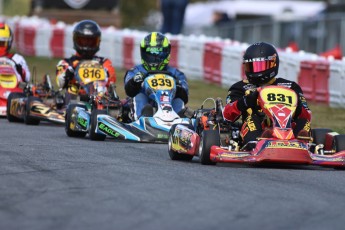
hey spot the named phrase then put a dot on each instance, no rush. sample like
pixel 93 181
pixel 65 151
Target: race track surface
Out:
pixel 51 181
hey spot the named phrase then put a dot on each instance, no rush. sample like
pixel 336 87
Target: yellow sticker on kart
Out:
pixel 8 81
pixel 279 95
pixel 90 72
pixel 161 82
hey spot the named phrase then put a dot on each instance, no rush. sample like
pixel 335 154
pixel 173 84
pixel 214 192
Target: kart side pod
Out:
pixel 184 140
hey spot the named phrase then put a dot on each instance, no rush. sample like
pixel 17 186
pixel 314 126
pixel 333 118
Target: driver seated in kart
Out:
pixel 86 42
pixel 155 55
pixel 20 66
pixel 261 64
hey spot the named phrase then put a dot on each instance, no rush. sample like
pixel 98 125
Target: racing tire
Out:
pixel 28 119
pixel 339 143
pixel 93 124
pixel 68 130
pixel 208 139
pixel 319 135
pixel 175 156
pixel 10 117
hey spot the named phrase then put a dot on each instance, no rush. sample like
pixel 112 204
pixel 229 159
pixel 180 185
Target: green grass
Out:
pixel 323 116
pixel 16 7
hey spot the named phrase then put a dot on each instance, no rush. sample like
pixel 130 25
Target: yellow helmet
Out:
pixel 6 38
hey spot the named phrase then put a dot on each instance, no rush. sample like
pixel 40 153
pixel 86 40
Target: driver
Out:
pixel 86 42
pixel 261 64
pixel 21 67
pixel 155 56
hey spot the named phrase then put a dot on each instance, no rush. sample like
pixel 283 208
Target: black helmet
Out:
pixel 155 51
pixel 86 38
pixel 261 63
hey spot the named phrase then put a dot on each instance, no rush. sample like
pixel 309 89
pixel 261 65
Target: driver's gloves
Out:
pixel 138 77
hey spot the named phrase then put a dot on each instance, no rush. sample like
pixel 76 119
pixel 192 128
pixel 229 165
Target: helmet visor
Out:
pixel 89 42
pixel 3 43
pixel 154 59
pixel 259 66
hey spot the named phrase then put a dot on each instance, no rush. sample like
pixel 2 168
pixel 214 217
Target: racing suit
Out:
pixel 20 66
pixel 65 73
pixel 140 99
pixel 252 118
pixel 67 66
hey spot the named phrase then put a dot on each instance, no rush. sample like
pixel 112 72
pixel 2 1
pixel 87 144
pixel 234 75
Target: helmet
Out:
pixel 6 38
pixel 155 51
pixel 261 63
pixel 86 38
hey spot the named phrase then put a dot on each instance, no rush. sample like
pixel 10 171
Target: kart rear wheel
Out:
pixel 93 124
pixel 208 139
pixel 28 119
pixel 339 143
pixel 173 154
pixel 319 135
pixel 68 130
pixel 10 117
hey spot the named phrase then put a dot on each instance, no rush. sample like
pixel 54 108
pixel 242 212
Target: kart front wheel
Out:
pixel 173 154
pixel 69 113
pixel 10 117
pixel 319 135
pixel 28 119
pixel 339 143
pixel 93 125
pixel 208 139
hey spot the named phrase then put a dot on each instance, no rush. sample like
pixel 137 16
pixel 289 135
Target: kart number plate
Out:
pixel 161 82
pixel 90 72
pixel 8 81
pixel 272 96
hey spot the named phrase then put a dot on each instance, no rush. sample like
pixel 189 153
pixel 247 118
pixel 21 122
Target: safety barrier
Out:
pixel 337 84
pixel 313 79
pixel 212 62
pixel 199 57
pixel 190 56
pixel 231 66
pixel 174 41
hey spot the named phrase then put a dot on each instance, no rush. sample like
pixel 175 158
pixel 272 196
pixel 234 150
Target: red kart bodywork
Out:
pixel 277 151
pixel 281 146
pixel 8 84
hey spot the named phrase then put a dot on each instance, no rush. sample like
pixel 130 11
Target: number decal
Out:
pixel 279 98
pixel 161 82
pixel 91 71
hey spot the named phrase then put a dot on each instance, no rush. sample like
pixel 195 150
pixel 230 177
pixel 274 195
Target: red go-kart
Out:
pixel 214 140
pixel 8 83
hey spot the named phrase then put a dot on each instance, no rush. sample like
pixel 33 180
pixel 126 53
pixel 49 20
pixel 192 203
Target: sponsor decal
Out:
pixel 285 144
pixel 81 121
pixel 182 138
pixel 108 130
pixel 307 126
pixel 154 50
pixel 250 124
pixel 76 4
pixel 162 136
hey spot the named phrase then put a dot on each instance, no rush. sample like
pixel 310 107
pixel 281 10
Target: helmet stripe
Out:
pixel 165 42
pixel 153 41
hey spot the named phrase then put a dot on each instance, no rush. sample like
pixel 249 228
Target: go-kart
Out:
pixel 215 140
pixel 89 98
pixel 155 123
pixel 8 83
pixel 37 102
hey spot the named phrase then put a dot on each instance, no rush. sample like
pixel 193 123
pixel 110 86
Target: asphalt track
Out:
pixel 51 181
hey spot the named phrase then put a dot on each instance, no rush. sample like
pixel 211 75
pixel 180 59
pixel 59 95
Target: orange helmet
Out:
pixel 6 38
